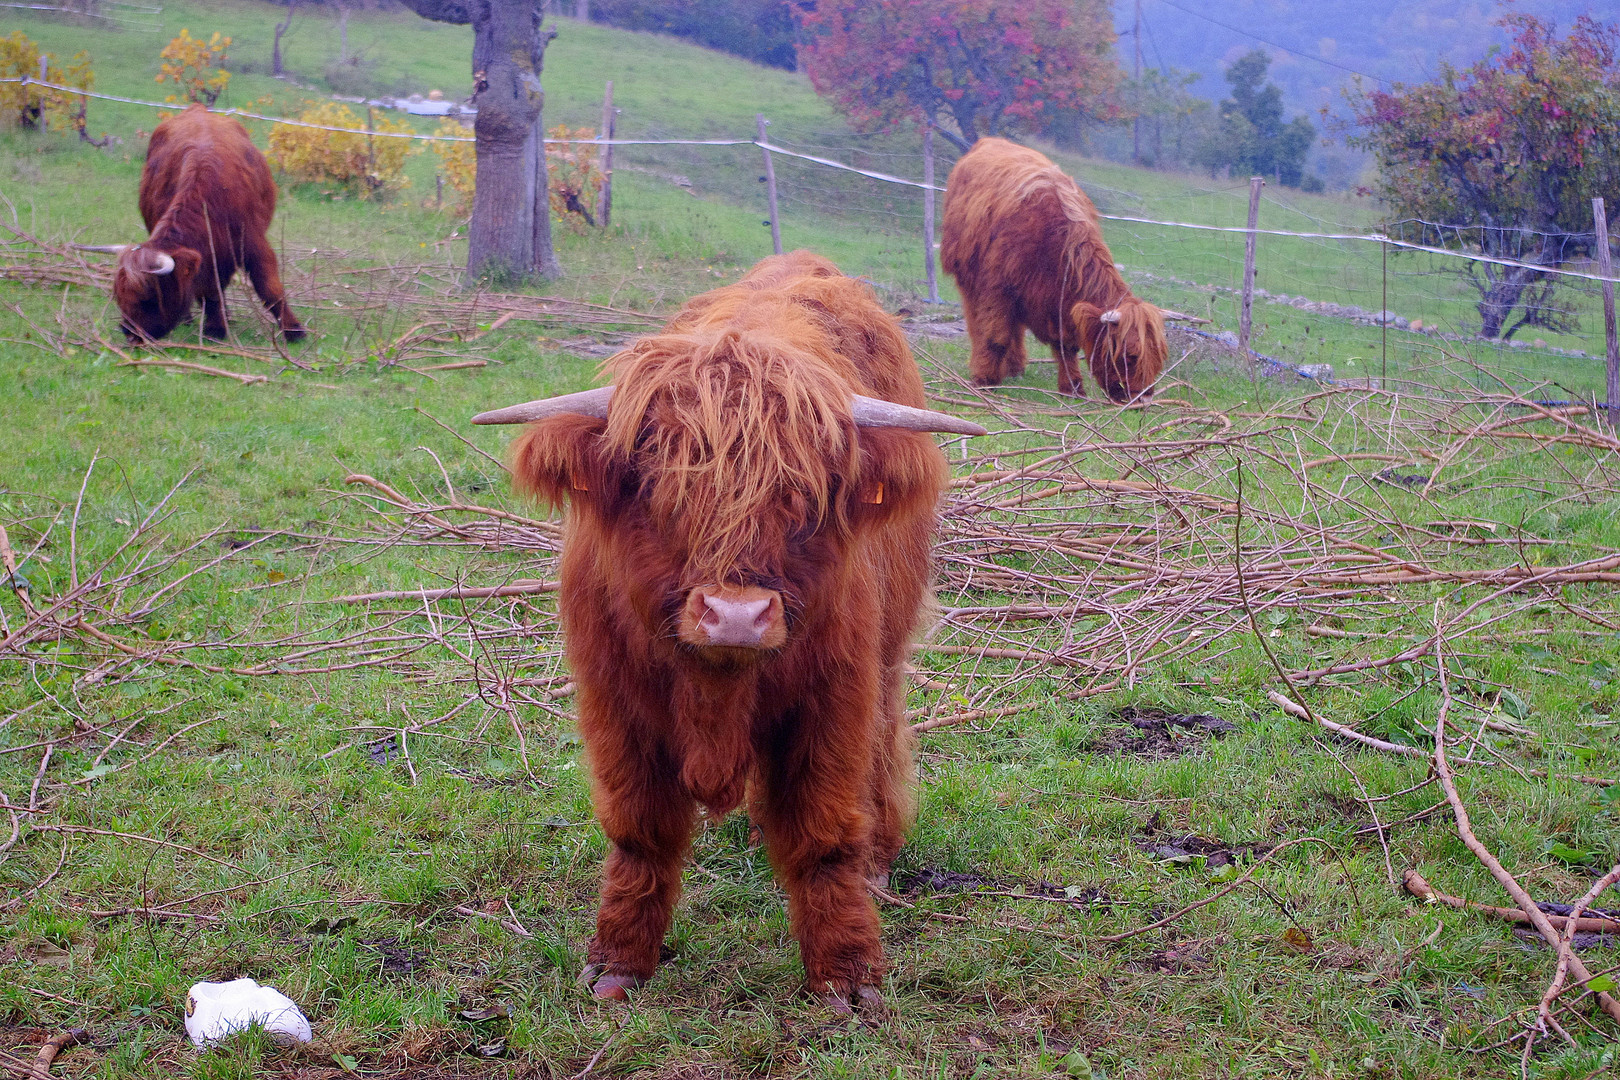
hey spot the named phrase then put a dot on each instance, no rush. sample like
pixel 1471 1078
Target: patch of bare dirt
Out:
pixel 1157 735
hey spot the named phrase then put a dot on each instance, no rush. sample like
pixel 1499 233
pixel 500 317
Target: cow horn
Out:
pixel 104 249
pixel 867 412
pixel 165 264
pixel 1110 316
pixel 585 403
pixel 1176 316
pixel 875 412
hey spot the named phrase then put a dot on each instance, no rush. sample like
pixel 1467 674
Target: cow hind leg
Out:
pixel 649 819
pixel 997 342
pixel 893 805
pixel 265 273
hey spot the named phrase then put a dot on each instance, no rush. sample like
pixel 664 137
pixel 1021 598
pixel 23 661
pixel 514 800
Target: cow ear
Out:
pixel 1087 319
pixel 186 264
pixel 900 471
pixel 561 458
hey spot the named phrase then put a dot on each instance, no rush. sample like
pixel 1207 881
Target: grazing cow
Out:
pixel 747 548
pixel 207 199
pixel 1024 245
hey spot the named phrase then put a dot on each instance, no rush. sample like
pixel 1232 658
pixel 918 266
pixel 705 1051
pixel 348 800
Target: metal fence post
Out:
pixel 770 185
pixel 928 215
pixel 1600 222
pixel 1245 317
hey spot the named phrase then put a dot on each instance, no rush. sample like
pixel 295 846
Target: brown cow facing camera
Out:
pixel 207 199
pixel 750 511
pixel 1025 246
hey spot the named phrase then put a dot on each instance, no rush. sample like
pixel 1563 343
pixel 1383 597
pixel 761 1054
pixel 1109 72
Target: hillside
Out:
pixel 1318 45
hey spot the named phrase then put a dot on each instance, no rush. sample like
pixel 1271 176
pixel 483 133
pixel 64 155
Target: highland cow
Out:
pixel 750 509
pixel 1024 245
pixel 207 199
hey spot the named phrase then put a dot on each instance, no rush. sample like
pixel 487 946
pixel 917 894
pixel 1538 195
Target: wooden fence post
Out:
pixel 1245 317
pixel 928 215
pixel 1600 221
pixel 604 199
pixel 770 185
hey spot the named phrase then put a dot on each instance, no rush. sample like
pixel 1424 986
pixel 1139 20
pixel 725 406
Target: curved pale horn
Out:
pixel 1176 316
pixel 1111 316
pixel 104 249
pixel 585 403
pixel 875 412
pixel 866 411
pixel 165 264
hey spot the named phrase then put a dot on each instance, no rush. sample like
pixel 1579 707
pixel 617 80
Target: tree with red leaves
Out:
pixel 968 67
pixel 1515 146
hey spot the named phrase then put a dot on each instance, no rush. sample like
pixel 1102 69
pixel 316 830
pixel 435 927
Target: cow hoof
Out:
pixel 868 1000
pixel 605 986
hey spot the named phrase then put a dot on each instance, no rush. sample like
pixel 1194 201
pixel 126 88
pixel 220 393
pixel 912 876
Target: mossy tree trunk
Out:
pixel 510 236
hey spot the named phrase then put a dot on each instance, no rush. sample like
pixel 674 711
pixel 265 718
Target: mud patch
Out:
pixel 395 960
pixel 1157 735
pixel 1174 960
pixel 932 880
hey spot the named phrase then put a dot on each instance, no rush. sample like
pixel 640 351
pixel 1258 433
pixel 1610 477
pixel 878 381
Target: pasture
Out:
pixel 281 692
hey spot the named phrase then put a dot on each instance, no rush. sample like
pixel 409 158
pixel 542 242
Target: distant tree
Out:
pixel 1516 146
pixel 510 234
pixel 1252 136
pixel 282 27
pixel 968 67
pixel 758 30
pixel 1174 119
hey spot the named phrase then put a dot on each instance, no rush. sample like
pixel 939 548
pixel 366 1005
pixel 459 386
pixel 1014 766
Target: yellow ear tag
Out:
pixel 873 494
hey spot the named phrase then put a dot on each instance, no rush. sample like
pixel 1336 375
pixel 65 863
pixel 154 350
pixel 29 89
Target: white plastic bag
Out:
pixel 215 1011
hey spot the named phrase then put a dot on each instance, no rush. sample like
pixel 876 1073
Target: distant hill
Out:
pixel 1316 44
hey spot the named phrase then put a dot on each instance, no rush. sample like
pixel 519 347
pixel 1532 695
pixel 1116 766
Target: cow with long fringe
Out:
pixel 207 198
pixel 750 508
pixel 1026 249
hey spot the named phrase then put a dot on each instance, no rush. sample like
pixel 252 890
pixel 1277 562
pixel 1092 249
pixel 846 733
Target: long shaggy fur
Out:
pixel 207 199
pixel 1025 246
pixel 729 457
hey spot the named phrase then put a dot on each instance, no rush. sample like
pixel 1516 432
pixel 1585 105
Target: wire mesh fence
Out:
pixel 1337 291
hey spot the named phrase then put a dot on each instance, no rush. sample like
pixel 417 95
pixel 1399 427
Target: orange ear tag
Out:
pixel 576 483
pixel 873 494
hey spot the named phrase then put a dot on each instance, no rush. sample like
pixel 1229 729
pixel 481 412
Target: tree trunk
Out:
pixel 1501 295
pixel 275 50
pixel 582 10
pixel 343 33
pixel 510 235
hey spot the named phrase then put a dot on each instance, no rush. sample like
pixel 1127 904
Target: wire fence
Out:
pixel 1339 298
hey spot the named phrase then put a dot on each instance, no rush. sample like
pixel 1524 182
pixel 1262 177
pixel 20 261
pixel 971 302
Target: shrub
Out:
pixel 35 106
pixel 195 66
pixel 368 166
pixel 459 163
pixel 572 177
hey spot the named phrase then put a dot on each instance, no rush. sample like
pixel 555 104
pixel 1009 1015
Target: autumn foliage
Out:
pixel 360 162
pixel 35 106
pixel 1514 147
pixel 194 65
pixel 980 67
pixel 573 179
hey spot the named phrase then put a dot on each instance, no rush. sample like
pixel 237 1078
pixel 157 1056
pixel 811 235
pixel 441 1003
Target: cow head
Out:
pixel 725 485
pixel 153 289
pixel 1125 346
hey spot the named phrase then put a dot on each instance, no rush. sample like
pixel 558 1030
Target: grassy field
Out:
pixel 379 806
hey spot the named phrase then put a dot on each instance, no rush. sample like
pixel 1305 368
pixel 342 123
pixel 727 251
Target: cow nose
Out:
pixel 739 617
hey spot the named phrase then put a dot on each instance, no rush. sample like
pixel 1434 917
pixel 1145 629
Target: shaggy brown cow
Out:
pixel 207 199
pixel 1024 245
pixel 747 549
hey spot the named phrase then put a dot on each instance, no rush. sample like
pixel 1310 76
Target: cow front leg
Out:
pixel 819 836
pixel 1068 365
pixel 265 273
pixel 648 816
pixel 214 327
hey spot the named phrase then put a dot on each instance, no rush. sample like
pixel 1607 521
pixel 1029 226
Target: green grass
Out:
pixel 281 776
